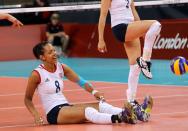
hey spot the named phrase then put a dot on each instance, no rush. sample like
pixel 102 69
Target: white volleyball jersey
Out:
pixel 121 12
pixel 50 87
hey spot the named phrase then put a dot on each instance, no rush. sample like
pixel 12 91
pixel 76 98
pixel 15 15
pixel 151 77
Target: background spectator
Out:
pixel 56 35
pixel 40 3
pixel 41 17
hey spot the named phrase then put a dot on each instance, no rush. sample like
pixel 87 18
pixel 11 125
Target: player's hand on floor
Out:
pixel 39 121
pixel 99 96
pixel 102 46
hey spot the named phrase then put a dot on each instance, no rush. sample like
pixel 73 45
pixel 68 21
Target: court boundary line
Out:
pixel 140 84
pixel 109 100
pixel 32 125
pixel 18 125
pixel 80 89
pixel 67 90
pixel 173 113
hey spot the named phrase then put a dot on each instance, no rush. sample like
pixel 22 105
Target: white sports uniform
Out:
pixel 50 87
pixel 121 12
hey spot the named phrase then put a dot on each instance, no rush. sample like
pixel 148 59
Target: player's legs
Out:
pixel 133 50
pixel 109 109
pixel 83 112
pixel 142 111
pixel 74 114
pixel 137 29
pixel 150 29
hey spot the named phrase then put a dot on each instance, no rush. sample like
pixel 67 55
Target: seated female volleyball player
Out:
pixel 128 28
pixel 12 19
pixel 47 79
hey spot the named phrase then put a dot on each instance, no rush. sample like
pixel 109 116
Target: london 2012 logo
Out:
pixel 176 42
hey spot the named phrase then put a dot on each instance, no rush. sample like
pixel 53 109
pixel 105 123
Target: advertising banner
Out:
pixel 173 40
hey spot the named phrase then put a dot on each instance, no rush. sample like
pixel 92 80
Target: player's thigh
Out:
pixel 137 29
pixel 74 114
pixel 94 105
pixel 133 50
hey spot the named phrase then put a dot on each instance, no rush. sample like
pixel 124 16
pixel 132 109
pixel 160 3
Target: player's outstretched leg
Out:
pixel 143 111
pixel 126 115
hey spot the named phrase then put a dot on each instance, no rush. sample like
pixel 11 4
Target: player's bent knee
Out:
pixel 89 112
pixel 154 29
pixel 157 23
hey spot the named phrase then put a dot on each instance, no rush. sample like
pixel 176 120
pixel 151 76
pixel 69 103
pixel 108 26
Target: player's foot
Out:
pixel 127 115
pixel 145 67
pixel 143 111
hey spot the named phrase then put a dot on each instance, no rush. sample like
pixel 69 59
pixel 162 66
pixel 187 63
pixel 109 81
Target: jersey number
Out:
pixel 57 86
pixel 127 4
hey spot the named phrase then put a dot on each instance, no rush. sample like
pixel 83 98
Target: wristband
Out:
pixel 82 82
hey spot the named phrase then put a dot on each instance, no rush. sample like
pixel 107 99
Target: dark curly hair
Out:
pixel 39 49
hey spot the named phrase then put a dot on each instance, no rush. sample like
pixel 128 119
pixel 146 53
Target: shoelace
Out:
pixel 137 107
pixel 146 66
pixel 143 64
pixel 149 65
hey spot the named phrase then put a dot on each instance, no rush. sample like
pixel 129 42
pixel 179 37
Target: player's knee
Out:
pixel 154 29
pixel 90 113
pixel 156 26
pixel 132 60
pixel 157 23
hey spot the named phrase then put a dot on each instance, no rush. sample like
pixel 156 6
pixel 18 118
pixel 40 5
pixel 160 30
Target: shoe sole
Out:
pixel 148 109
pixel 150 105
pixel 138 62
pixel 146 112
pixel 132 117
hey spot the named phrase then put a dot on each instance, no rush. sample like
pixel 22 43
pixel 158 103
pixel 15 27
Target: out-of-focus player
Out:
pixel 12 19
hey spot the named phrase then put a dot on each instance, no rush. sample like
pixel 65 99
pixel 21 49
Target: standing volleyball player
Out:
pixel 128 28
pixel 12 19
pixel 47 78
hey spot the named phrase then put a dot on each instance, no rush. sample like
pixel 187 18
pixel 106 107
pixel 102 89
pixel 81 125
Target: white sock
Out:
pixel 150 37
pixel 94 116
pixel 107 108
pixel 133 82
